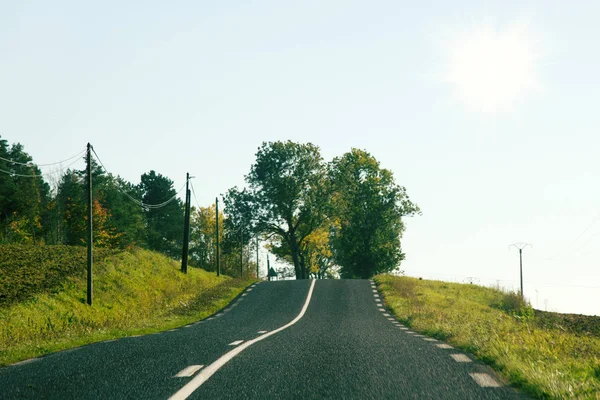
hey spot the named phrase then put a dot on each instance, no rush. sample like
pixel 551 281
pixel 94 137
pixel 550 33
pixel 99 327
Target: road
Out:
pixel 278 340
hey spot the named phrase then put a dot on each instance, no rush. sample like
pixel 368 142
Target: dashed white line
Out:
pixel 484 380
pixel 381 308
pixel 430 339
pixel 244 294
pixel 261 332
pixel 170 330
pixel 460 358
pixel 386 315
pixel 443 346
pixel 377 301
pixel 207 372
pixel 249 290
pixel 375 295
pixel 374 291
pixel 404 328
pixel 391 319
pixel 237 342
pixel 188 371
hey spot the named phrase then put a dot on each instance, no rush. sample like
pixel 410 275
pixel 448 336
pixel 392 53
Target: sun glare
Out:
pixel 490 69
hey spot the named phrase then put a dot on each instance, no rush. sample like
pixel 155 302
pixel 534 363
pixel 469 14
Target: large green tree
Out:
pixel 164 225
pixel 368 208
pixel 286 196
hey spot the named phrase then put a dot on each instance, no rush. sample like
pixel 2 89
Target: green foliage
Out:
pixel 368 207
pixel 26 270
pixel 164 226
pixel 285 199
pixel 545 362
pixel 135 292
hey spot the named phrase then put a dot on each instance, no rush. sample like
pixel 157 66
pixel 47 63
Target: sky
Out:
pixel 487 112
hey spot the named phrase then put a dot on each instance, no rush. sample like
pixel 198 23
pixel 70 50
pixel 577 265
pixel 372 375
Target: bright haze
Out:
pixel 488 114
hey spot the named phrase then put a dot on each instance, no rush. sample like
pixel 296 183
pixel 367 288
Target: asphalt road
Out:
pixel 279 340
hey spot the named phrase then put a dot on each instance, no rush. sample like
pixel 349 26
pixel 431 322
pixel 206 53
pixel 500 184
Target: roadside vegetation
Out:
pixel 43 307
pixel 546 355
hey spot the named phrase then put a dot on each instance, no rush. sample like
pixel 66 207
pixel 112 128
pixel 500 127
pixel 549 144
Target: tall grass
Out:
pixel 501 330
pixel 134 292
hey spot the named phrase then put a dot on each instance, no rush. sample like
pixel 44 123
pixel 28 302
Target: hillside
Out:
pixel 43 292
pixel 546 355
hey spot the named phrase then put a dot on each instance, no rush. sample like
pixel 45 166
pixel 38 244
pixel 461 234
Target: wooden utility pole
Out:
pixel 186 225
pixel 218 263
pixel 89 225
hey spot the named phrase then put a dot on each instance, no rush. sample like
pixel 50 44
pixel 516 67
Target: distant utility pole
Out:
pixel 186 225
pixel 89 225
pixel 521 246
pixel 241 251
pixel 218 263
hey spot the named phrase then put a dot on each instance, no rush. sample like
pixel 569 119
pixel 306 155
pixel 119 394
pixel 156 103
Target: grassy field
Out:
pixel 545 355
pixel 135 292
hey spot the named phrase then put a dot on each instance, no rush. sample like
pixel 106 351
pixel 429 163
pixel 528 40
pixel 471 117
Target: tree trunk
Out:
pixel 296 256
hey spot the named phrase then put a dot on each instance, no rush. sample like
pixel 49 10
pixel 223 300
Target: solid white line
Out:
pixel 460 358
pixel 188 371
pixel 30 360
pixel 207 372
pixel 484 380
pixel 236 342
pixel 262 332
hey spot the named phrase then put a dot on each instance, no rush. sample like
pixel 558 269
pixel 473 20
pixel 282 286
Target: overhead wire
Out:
pixel 36 175
pixel 30 163
pixel 194 193
pixel 136 201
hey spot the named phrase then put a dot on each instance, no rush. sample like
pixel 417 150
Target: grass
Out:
pixel 135 292
pixel 533 353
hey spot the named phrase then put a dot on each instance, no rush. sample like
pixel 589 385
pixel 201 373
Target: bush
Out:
pixel 27 270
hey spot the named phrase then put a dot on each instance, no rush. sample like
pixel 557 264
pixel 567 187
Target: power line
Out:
pixel 136 201
pixel 31 163
pixel 36 175
pixel 194 193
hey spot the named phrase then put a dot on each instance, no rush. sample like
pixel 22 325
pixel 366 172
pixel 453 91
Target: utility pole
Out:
pixel 89 226
pixel 186 225
pixel 241 251
pixel 257 257
pixel 521 246
pixel 218 263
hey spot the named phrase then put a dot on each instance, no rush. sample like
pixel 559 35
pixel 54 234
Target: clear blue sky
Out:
pixel 486 112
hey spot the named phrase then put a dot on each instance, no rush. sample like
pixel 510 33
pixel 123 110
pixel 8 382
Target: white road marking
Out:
pixel 262 332
pixel 374 291
pixel 188 371
pixel 404 328
pixel 430 339
pixel 386 314
pixel 210 318
pixel 460 358
pixel 244 294
pixel 375 295
pixel 443 346
pixel 26 361
pixel 170 330
pixel 249 290
pixel 484 380
pixel 207 372
pixel 391 319
pixel 396 323
pixel 236 342
pixel 114 340
pixel 219 315
pixel 377 301
pixel 381 308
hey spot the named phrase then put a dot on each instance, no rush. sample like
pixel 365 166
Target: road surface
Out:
pixel 278 340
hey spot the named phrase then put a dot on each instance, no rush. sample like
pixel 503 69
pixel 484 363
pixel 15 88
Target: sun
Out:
pixel 490 69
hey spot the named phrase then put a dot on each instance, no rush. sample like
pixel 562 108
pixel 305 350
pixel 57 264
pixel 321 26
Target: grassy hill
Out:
pixel 547 355
pixel 43 294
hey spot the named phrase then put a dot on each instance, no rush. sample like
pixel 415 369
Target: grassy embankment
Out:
pixel 43 295
pixel 546 355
